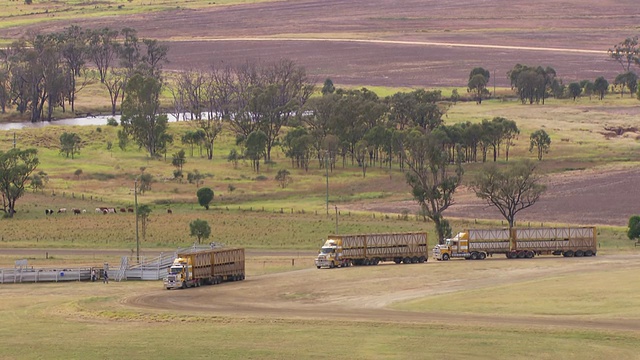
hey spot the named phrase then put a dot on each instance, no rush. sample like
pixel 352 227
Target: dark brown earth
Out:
pixel 587 197
pixel 419 43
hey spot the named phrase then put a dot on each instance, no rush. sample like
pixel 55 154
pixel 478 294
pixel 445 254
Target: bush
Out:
pixel 261 178
pixel 205 196
pixel 112 122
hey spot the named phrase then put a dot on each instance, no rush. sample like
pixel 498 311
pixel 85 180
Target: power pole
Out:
pixel 336 219
pixel 135 199
pixel 494 83
pixel 326 166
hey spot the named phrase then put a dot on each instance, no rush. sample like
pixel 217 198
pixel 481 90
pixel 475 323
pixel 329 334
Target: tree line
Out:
pixel 42 72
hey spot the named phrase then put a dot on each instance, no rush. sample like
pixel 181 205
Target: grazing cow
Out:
pixel 98 210
pixel 62 210
pixel 111 210
pixel 169 211
pixel 77 211
pixel 123 210
pixel 130 210
pixel 48 211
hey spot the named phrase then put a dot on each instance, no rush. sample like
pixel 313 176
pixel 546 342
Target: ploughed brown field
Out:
pixel 585 197
pixel 416 43
pixel 411 43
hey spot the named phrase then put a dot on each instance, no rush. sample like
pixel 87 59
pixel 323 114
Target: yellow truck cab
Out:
pixel 457 247
pixel 330 254
pixel 180 274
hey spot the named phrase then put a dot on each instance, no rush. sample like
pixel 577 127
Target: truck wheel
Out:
pixel 530 254
pixel 184 285
pixel 568 253
pixel 445 257
pixel 422 259
pixel 579 253
pixel 588 253
pixel 415 260
pixel 512 255
pixel 376 261
pixel 406 260
pixel 522 254
pixel 482 256
pixel 474 256
pixel 397 260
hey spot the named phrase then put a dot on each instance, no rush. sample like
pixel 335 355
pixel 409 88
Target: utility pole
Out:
pixel 336 219
pixel 135 199
pixel 494 83
pixel 14 139
pixel 326 166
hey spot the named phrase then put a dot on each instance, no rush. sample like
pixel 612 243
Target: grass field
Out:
pixel 90 320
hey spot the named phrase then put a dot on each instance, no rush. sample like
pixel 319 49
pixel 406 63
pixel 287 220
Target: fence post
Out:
pixel 293 262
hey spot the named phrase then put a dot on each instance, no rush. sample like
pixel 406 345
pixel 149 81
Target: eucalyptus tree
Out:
pixel 200 229
pixel 531 83
pixel 154 57
pixel 5 81
pixel 74 47
pixel 626 53
pixel 433 178
pixel 628 80
pixel 328 87
pixel 318 116
pixel 588 87
pixel 256 148
pixel 575 90
pixel 633 229
pixel 287 89
pixel 16 167
pixel 103 49
pixel 601 87
pixel 478 80
pixel 141 118
pixel 247 116
pixel 70 144
pixel 541 142
pixel 298 145
pixel 509 190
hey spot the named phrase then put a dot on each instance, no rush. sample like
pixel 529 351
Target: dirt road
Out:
pixel 364 293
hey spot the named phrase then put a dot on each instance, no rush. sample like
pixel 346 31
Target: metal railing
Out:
pixel 9 276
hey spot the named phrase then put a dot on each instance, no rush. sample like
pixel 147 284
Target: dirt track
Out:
pixel 363 293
